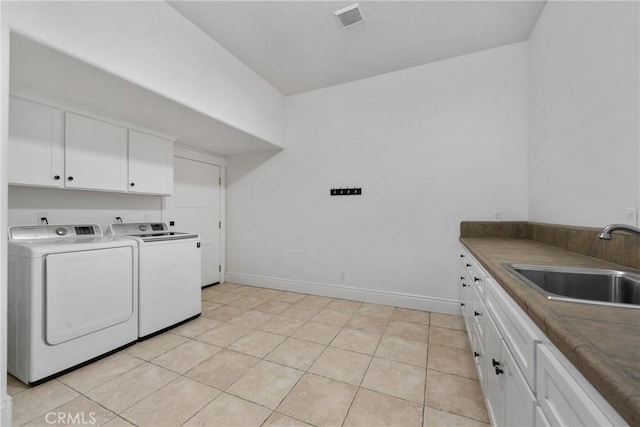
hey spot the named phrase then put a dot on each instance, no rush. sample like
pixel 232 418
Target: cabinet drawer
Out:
pixel 563 401
pixel 515 328
pixel 477 313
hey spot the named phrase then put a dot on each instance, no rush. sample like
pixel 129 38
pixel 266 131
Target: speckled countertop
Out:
pixel 603 342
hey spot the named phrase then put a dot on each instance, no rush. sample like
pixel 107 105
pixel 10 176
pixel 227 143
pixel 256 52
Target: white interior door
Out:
pixel 195 207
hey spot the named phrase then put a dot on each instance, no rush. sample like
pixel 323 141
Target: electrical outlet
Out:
pixel 39 217
pixel 632 216
pixel 497 216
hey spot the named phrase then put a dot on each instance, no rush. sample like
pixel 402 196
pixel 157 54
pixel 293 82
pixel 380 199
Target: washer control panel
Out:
pixel 31 232
pixel 137 228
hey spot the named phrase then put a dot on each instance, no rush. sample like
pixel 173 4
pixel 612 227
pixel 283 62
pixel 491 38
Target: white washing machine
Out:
pixel 170 272
pixel 73 296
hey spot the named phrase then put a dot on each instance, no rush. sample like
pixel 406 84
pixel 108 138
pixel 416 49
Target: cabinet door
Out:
pixel 36 146
pixel 519 401
pixel 150 164
pixel 95 154
pixel 493 381
pixel 562 399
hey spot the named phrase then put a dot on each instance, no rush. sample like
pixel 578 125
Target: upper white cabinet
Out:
pixel 95 154
pixel 50 147
pixel 36 144
pixel 150 164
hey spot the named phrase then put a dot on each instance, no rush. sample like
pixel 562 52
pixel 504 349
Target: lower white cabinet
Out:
pixel 563 400
pixel 524 382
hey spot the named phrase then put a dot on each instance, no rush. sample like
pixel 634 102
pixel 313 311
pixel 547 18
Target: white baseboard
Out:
pixel 5 411
pixel 417 302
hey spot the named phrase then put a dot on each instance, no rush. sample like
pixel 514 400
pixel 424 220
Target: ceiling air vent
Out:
pixel 349 15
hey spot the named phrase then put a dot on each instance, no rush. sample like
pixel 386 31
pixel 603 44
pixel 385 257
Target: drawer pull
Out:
pixel 57 177
pixel 495 362
pixel 475 279
pixel 70 178
pixel 499 371
pixel 476 354
pixel 475 313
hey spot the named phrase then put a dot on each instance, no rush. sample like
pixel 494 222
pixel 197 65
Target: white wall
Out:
pixel 430 146
pixel 584 114
pixel 75 206
pixel 152 45
pixel 5 399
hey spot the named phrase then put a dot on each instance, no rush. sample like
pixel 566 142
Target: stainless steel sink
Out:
pixel 585 285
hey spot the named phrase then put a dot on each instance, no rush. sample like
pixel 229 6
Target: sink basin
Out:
pixel 585 285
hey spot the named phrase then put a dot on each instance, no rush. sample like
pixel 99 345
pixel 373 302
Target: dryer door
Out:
pixel 87 291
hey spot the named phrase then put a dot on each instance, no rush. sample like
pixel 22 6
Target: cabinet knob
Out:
pixel 57 177
pixel 475 313
pixel 494 362
pixel 461 304
pixel 475 279
pixel 132 184
pixel 461 255
pixel 464 285
pixel 69 178
pixel 468 265
pixel 499 371
pixel 476 354
pixel 461 277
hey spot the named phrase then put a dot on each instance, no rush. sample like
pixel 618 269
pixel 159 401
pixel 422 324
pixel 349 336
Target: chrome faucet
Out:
pixel 606 232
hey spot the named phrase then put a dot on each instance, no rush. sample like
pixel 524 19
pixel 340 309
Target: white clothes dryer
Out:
pixel 73 296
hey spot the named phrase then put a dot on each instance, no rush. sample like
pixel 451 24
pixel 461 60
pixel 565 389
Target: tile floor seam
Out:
pixel 451 373
pixel 363 377
pixel 458 415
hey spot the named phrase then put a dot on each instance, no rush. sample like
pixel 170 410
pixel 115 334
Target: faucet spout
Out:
pixel 606 232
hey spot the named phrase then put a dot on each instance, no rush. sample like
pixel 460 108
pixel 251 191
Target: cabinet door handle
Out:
pixel 476 354
pixel 499 371
pixel 495 362
pixel 132 184
pixel 475 279
pixel 69 178
pixel 475 313
pixel 57 177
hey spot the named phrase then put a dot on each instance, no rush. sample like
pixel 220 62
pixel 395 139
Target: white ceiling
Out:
pixel 45 71
pixel 299 46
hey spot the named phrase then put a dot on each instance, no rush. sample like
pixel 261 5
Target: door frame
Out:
pixel 197 155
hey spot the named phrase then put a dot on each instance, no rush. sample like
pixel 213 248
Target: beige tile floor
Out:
pixel 261 357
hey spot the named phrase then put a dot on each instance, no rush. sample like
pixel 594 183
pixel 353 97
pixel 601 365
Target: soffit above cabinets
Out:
pixel 47 72
pixel 299 46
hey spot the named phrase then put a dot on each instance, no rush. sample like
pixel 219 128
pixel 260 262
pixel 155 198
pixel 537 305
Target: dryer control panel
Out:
pixel 32 232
